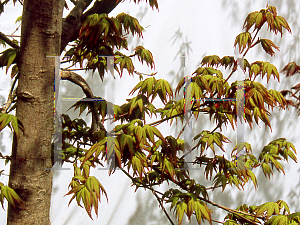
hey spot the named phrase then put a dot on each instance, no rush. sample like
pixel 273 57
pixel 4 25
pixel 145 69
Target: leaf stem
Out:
pixel 218 126
pixel 184 127
pixel 153 192
pixel 236 212
pixel 162 120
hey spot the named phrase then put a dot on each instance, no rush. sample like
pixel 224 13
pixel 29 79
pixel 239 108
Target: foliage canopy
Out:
pixel 147 157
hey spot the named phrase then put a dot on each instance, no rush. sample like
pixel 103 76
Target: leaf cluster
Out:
pixel 148 157
pixel 100 35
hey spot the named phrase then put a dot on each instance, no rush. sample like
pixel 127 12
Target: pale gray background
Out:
pixel 196 28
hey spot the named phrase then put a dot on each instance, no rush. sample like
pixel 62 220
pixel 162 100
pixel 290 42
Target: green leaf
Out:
pixel 278 220
pixel 5 119
pixel 257 18
pixel 269 207
pixel 144 55
pixel 230 222
pixel 149 132
pixel 124 62
pixel 266 169
pixel 169 166
pixel 11 196
pixel 227 61
pixel 19 19
pixel 243 40
pixel 140 134
pixel 14 71
pixel 280 22
pixel 130 24
pixel 180 210
pixel 268 46
pixel 96 147
pixel 283 204
pixel 162 88
pixel 8 57
pixel 210 60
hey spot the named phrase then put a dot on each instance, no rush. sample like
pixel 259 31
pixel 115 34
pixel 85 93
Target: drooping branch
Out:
pixel 154 192
pixel 233 211
pixel 8 41
pixel 78 80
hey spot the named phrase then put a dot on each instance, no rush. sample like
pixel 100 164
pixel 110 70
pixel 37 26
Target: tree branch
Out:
pixel 77 79
pixel 72 23
pixel 236 212
pixel 162 120
pixel 163 208
pixel 74 2
pixel 8 41
pixel 184 127
pixel 102 6
pixel 153 192
pixel 218 126
pixel 11 96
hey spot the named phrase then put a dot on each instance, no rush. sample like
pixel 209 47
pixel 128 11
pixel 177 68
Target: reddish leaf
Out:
pixel 290 69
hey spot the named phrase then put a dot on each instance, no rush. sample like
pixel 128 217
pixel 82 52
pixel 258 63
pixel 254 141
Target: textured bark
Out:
pixel 30 176
pixel 44 33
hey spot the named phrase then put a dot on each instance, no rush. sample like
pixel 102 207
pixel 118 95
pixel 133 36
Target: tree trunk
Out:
pixel 30 176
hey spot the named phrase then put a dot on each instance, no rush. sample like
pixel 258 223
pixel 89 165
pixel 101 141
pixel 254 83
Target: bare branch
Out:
pixel 77 79
pixel 10 99
pixel 102 6
pixel 153 192
pixel 8 41
pixel 74 1
pixel 71 24
pixel 236 212
pixel 11 96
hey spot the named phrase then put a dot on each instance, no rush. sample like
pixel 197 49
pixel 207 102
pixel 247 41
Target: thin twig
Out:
pixel 251 46
pixel 197 145
pixel 10 35
pixel 153 192
pixel 167 118
pixel 184 127
pixel 216 221
pixel 70 60
pixel 236 212
pixel 15 32
pixel 163 209
pixel 68 68
pixel 74 69
pixel 233 70
pixel 188 152
pixel 144 74
pixel 11 96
